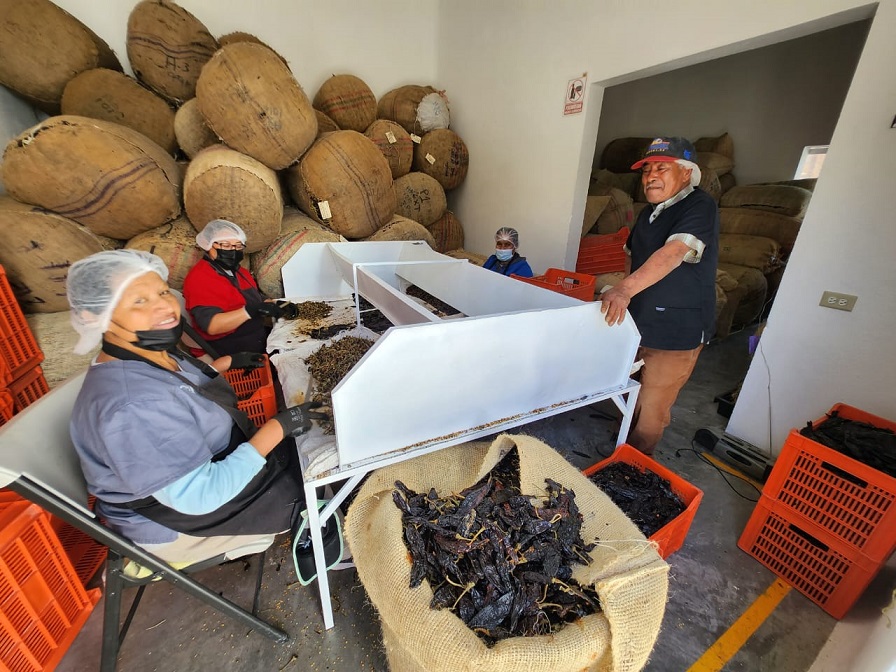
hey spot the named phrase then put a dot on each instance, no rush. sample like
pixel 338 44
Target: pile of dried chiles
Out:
pixel 371 317
pixel 309 320
pixel 329 364
pixel 500 560
pixel 645 497
pixel 862 441
pixel 442 309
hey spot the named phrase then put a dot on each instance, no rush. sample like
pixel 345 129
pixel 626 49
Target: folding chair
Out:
pixel 39 462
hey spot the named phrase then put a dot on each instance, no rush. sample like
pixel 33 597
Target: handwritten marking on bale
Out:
pixel 193 134
pixel 448 233
pixel 36 249
pixel 43 47
pixel 113 96
pixel 443 155
pixel 348 101
pixel 343 181
pixel 167 47
pixel 251 100
pixel 108 177
pixel 221 183
pixel 402 105
pixel 402 228
pixel 175 244
pixel 395 144
pixel 420 197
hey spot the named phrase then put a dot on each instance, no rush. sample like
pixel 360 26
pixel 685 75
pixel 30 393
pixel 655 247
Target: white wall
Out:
pixel 773 101
pixel 15 116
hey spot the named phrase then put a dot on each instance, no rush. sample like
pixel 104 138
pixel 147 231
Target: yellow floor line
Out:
pixel 718 655
pixel 725 467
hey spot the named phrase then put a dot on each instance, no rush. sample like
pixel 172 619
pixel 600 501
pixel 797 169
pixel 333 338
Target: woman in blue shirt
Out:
pixel 506 260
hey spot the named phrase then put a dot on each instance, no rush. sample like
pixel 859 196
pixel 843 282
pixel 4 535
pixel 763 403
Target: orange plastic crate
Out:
pixel 848 499
pixel 671 536
pixel 18 349
pixel 255 392
pixel 42 603
pixel 28 388
pixel 602 253
pixel 7 407
pixel 576 285
pixel 823 568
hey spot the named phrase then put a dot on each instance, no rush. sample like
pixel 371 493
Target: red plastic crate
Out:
pixel 255 392
pixel 18 349
pixel 576 285
pixel 671 536
pixel 28 388
pixel 602 253
pixel 819 565
pixel 849 499
pixel 42 603
pixel 7 407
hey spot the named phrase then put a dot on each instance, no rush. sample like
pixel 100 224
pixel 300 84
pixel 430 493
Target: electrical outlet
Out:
pixel 838 301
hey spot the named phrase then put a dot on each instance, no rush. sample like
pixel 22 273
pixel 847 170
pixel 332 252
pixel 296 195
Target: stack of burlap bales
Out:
pixel 206 128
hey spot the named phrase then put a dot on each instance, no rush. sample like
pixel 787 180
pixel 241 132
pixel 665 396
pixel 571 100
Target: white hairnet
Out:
pixel 95 285
pixel 696 175
pixel 509 234
pixel 218 230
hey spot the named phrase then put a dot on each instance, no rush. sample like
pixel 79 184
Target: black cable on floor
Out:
pixel 722 473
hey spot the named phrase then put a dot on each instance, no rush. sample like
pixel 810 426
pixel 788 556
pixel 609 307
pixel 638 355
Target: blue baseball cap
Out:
pixel 668 149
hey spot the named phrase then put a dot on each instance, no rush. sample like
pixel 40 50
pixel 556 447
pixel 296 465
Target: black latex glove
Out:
pixel 265 309
pixel 246 360
pixel 290 310
pixel 296 420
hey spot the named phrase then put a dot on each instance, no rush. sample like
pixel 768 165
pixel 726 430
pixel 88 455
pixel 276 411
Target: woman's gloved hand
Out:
pixel 290 310
pixel 296 420
pixel 264 309
pixel 246 360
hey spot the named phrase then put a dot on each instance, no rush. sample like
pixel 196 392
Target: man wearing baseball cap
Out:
pixel 669 287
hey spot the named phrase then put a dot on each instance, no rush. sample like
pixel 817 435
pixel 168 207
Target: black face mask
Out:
pixel 229 259
pixel 157 340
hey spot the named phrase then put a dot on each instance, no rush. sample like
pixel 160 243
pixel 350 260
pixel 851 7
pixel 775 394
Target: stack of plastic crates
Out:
pixel 42 603
pixel 602 253
pixel 255 392
pixel 825 523
pixel 20 355
pixel 576 285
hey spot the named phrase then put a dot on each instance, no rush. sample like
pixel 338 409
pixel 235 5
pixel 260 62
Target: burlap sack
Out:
pixel 113 96
pixel 251 100
pixel 747 300
pixel 722 144
pixel 763 254
pixel 402 228
pixel 36 249
pixel 401 106
pixel 448 232
pixel 175 244
pixel 348 101
pixel 167 48
pixel 395 144
pixel 108 177
pixel 420 197
pixel 721 301
pixel 620 154
pixel 727 181
pixel 594 208
pixel 753 222
pixel 720 163
pixel 240 36
pixel 472 257
pixel 626 571
pixel 192 133
pixel 783 199
pixel 443 155
pixel 223 184
pixel 267 264
pixel 617 213
pixel 725 281
pixel 804 183
pixel 324 124
pixel 43 47
pixel 344 181
pixel 295 221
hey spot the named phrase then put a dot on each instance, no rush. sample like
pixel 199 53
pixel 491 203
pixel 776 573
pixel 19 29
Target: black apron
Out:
pixel 270 503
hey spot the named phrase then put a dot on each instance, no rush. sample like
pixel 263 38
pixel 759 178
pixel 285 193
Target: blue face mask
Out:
pixel 503 255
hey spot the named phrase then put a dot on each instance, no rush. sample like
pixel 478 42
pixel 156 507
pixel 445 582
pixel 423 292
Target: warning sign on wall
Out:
pixel 575 95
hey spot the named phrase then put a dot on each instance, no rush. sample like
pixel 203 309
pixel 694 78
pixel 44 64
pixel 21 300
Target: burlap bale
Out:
pixel 617 213
pixel 43 47
pixel 192 133
pixel 175 244
pixel 804 183
pixel 324 124
pixel 721 301
pixel 443 155
pixel 113 96
pixel 395 144
pixel 401 106
pixel 726 182
pixel 472 257
pixel 295 221
pixel 620 154
pixel 718 162
pixel 753 222
pixel 763 254
pixel 722 144
pixel 783 199
pixel 108 177
pixel 602 280
pixel 420 197
pixel 56 338
pixel 448 232
pixel 36 249
pixel 267 264
pixel 222 183
pixel 239 36
pixel 348 101
pixel 608 178
pixel 344 181
pixel 167 47
pixel 251 100
pixel 402 228
pixel 746 301
pixel 725 281
pixel 628 574
pixel 594 207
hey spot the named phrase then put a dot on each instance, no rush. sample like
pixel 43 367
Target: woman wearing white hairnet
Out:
pixel 506 260
pixel 174 465
pixel 222 297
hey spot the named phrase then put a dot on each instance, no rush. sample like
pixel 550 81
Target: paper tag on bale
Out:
pixel 323 207
pixel 390 136
pixel 415 138
pixel 431 159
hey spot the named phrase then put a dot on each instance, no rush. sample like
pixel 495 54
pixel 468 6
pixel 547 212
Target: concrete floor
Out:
pixel 711 581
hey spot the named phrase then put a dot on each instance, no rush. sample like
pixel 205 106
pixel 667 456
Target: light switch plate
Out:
pixel 838 301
